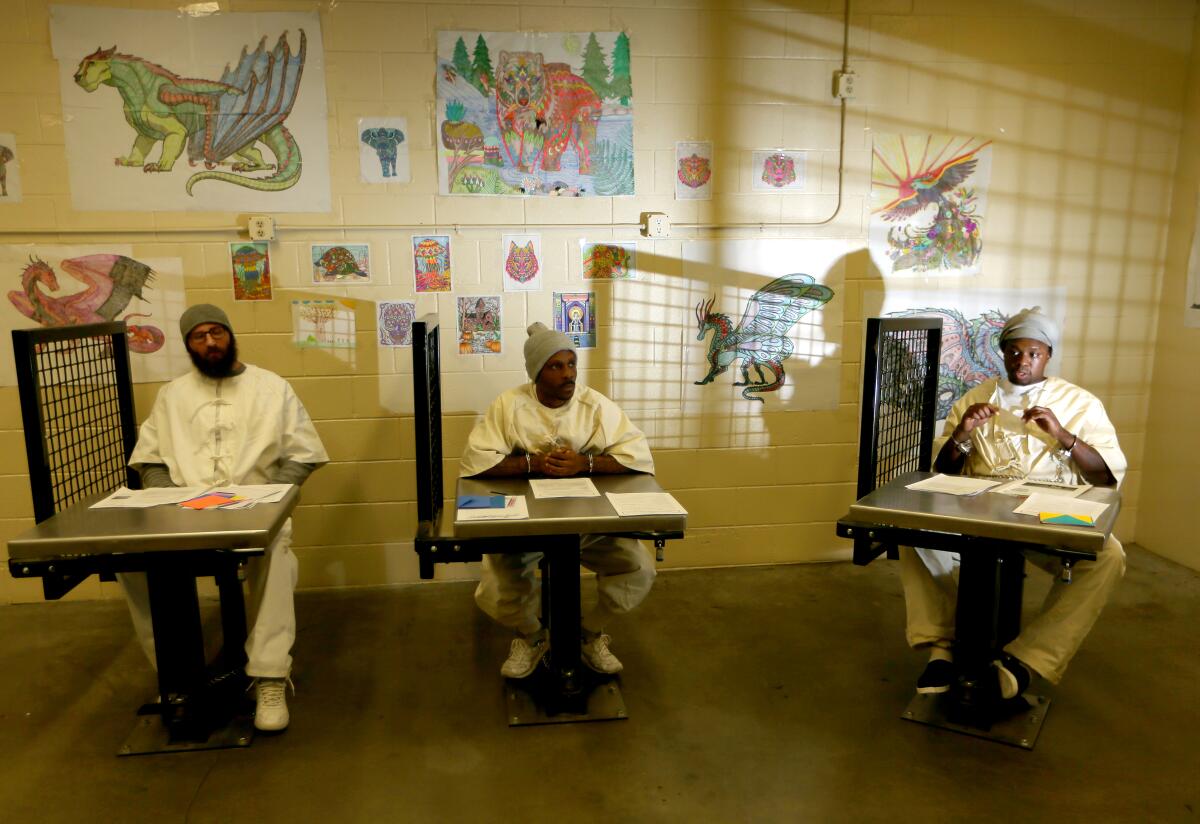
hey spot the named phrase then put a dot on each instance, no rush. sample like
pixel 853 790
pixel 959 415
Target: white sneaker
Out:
pixel 523 657
pixel 597 655
pixel 271 714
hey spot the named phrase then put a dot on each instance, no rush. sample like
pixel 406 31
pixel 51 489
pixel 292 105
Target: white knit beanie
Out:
pixel 541 345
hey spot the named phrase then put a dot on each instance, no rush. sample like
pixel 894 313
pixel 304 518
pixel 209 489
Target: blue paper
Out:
pixel 481 502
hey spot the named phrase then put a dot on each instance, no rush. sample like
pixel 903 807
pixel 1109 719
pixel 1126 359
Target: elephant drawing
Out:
pixel 385 142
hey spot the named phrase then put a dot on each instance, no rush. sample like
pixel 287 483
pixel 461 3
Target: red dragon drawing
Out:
pixel 110 282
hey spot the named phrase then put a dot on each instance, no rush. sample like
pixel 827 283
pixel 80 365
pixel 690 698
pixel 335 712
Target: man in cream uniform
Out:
pixel 549 427
pixel 223 423
pixel 1025 425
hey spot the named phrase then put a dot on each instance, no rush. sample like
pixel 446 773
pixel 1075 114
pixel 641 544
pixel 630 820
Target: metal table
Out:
pixel 991 541
pixel 555 527
pixel 200 706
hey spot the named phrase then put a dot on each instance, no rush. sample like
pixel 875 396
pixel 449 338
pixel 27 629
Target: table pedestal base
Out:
pixel 150 736
pixel 533 701
pixel 1017 723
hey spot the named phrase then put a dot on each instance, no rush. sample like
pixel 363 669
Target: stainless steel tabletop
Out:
pixel 559 516
pixel 986 515
pixel 79 531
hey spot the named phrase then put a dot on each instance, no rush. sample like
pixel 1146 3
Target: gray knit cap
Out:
pixel 193 316
pixel 541 345
pixel 1032 324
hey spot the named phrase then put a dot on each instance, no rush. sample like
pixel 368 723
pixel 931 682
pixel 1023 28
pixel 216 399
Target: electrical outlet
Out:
pixel 843 84
pixel 655 224
pixel 261 227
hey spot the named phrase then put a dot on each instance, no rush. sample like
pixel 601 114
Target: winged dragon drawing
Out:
pixel 760 339
pixel 219 121
pixel 110 283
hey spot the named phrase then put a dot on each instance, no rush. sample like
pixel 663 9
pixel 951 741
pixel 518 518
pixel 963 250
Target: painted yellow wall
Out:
pixel 1171 485
pixel 1083 98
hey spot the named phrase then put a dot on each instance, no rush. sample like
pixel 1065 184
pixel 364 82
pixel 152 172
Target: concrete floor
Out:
pixel 755 694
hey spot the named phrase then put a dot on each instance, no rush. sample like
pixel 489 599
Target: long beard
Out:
pixel 222 368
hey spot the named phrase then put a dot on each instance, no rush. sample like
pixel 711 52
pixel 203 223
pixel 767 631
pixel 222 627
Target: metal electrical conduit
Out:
pixel 457 227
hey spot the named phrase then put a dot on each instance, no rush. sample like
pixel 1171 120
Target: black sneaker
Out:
pixel 937 677
pixel 1012 675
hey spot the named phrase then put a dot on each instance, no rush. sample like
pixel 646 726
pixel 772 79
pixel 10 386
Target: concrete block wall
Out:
pixel 1083 99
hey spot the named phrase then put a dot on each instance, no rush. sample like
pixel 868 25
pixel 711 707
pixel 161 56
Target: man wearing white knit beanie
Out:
pixel 551 427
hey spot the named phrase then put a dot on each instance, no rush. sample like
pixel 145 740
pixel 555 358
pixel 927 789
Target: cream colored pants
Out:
pixel 1050 640
pixel 272 616
pixel 508 588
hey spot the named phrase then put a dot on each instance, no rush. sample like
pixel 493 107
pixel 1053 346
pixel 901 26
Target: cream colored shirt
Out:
pixel 234 430
pixel 517 422
pixel 1005 446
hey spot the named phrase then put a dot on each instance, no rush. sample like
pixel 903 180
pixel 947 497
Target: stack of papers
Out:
pixel 629 504
pixel 564 488
pixel 953 485
pixel 514 509
pixel 1057 509
pixel 195 497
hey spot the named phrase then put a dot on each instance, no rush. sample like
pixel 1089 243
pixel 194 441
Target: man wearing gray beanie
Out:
pixel 1022 425
pixel 223 423
pixel 552 427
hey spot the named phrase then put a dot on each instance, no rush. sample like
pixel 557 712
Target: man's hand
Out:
pixel 975 415
pixel 563 462
pixel 1048 423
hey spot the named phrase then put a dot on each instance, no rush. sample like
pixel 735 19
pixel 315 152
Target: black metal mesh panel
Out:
pixel 427 413
pixel 77 410
pixel 899 398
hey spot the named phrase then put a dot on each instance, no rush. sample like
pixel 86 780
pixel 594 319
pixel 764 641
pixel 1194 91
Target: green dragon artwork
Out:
pixel 218 121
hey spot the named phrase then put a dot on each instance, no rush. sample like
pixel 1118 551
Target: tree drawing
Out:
pixel 319 315
pixel 595 69
pixel 462 62
pixel 621 86
pixel 481 67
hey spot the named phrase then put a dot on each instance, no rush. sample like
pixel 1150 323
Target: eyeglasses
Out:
pixel 217 333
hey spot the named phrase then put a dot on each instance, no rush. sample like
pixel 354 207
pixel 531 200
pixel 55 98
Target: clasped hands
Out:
pixel 1045 419
pixel 560 462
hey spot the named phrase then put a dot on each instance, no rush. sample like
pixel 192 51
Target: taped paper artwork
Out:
pixel 68 286
pixel 777 170
pixel 693 171
pixel 928 204
pixel 10 169
pixel 165 111
pixel 323 324
pixel 609 260
pixel 534 114
pixel 340 264
pixel 251 270
pixel 431 263
pixel 575 316
pixel 395 323
pixel 382 150
pixel 479 325
pixel 522 262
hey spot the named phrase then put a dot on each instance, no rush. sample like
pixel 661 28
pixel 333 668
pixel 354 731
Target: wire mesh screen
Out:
pixel 427 408
pixel 900 371
pixel 77 410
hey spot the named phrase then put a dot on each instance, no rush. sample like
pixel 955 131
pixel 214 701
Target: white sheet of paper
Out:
pixel 564 488
pixel 629 504
pixel 257 493
pixel 1041 502
pixel 515 509
pixel 125 498
pixel 953 484
pixel 1022 488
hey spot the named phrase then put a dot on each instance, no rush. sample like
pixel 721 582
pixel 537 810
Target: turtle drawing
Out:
pixel 339 263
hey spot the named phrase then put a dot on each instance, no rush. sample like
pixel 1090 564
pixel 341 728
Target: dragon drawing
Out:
pixel 970 351
pixel 760 340
pixel 219 121
pixel 110 281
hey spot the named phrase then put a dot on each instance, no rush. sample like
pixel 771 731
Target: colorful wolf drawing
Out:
pixel 546 104
pixel 218 120
pixel 761 337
